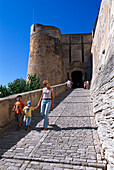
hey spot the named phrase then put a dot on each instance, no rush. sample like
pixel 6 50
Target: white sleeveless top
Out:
pixel 47 93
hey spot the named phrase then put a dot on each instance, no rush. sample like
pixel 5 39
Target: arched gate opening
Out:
pixel 77 79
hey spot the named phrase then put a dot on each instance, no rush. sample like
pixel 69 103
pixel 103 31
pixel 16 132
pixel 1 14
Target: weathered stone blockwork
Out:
pixel 76 49
pixel 102 87
pixel 7 103
pixel 55 57
pixel 45 57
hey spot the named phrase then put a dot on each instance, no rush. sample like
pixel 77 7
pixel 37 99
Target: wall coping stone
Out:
pixel 7 103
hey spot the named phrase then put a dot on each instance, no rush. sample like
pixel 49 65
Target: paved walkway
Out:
pixel 71 141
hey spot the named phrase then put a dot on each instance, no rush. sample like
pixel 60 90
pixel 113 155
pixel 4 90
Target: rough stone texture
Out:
pixel 71 141
pixel 50 54
pixel 102 87
pixel 7 103
pixel 76 43
pixel 45 56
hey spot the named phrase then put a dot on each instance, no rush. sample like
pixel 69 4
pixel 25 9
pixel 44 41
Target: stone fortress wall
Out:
pixel 56 57
pixel 45 55
pixel 102 87
pixel 76 50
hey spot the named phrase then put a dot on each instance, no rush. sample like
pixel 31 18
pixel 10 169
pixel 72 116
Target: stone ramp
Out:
pixel 71 141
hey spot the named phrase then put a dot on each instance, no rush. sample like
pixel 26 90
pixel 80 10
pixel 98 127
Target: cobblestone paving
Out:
pixel 71 141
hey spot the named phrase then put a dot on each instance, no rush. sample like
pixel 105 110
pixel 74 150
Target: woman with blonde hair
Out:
pixel 46 102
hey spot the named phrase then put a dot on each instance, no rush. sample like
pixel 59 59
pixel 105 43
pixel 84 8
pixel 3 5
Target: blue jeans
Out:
pixel 28 120
pixel 45 109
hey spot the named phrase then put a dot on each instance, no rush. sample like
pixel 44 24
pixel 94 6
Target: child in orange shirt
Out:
pixel 18 108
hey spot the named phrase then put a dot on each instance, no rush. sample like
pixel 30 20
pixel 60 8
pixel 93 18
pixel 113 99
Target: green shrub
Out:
pixel 20 85
pixel 4 91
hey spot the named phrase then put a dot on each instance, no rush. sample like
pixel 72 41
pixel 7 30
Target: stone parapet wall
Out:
pixel 102 86
pixel 7 103
pixel 50 30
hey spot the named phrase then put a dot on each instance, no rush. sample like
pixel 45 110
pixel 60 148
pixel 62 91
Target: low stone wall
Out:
pixel 7 103
pixel 102 86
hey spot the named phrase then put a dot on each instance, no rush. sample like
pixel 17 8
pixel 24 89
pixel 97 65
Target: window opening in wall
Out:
pixel 82 44
pixel 69 49
pixel 67 76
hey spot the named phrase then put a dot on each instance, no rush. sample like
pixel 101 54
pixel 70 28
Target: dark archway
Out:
pixel 77 79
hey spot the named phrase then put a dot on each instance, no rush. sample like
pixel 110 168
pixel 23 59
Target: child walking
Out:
pixel 18 108
pixel 27 110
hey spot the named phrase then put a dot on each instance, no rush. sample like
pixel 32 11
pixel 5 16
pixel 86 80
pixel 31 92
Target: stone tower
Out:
pixel 45 54
pixel 59 57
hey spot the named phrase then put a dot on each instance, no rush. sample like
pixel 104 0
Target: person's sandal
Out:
pixel 45 129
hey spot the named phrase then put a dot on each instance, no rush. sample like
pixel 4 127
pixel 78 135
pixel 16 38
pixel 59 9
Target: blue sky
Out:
pixel 16 18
